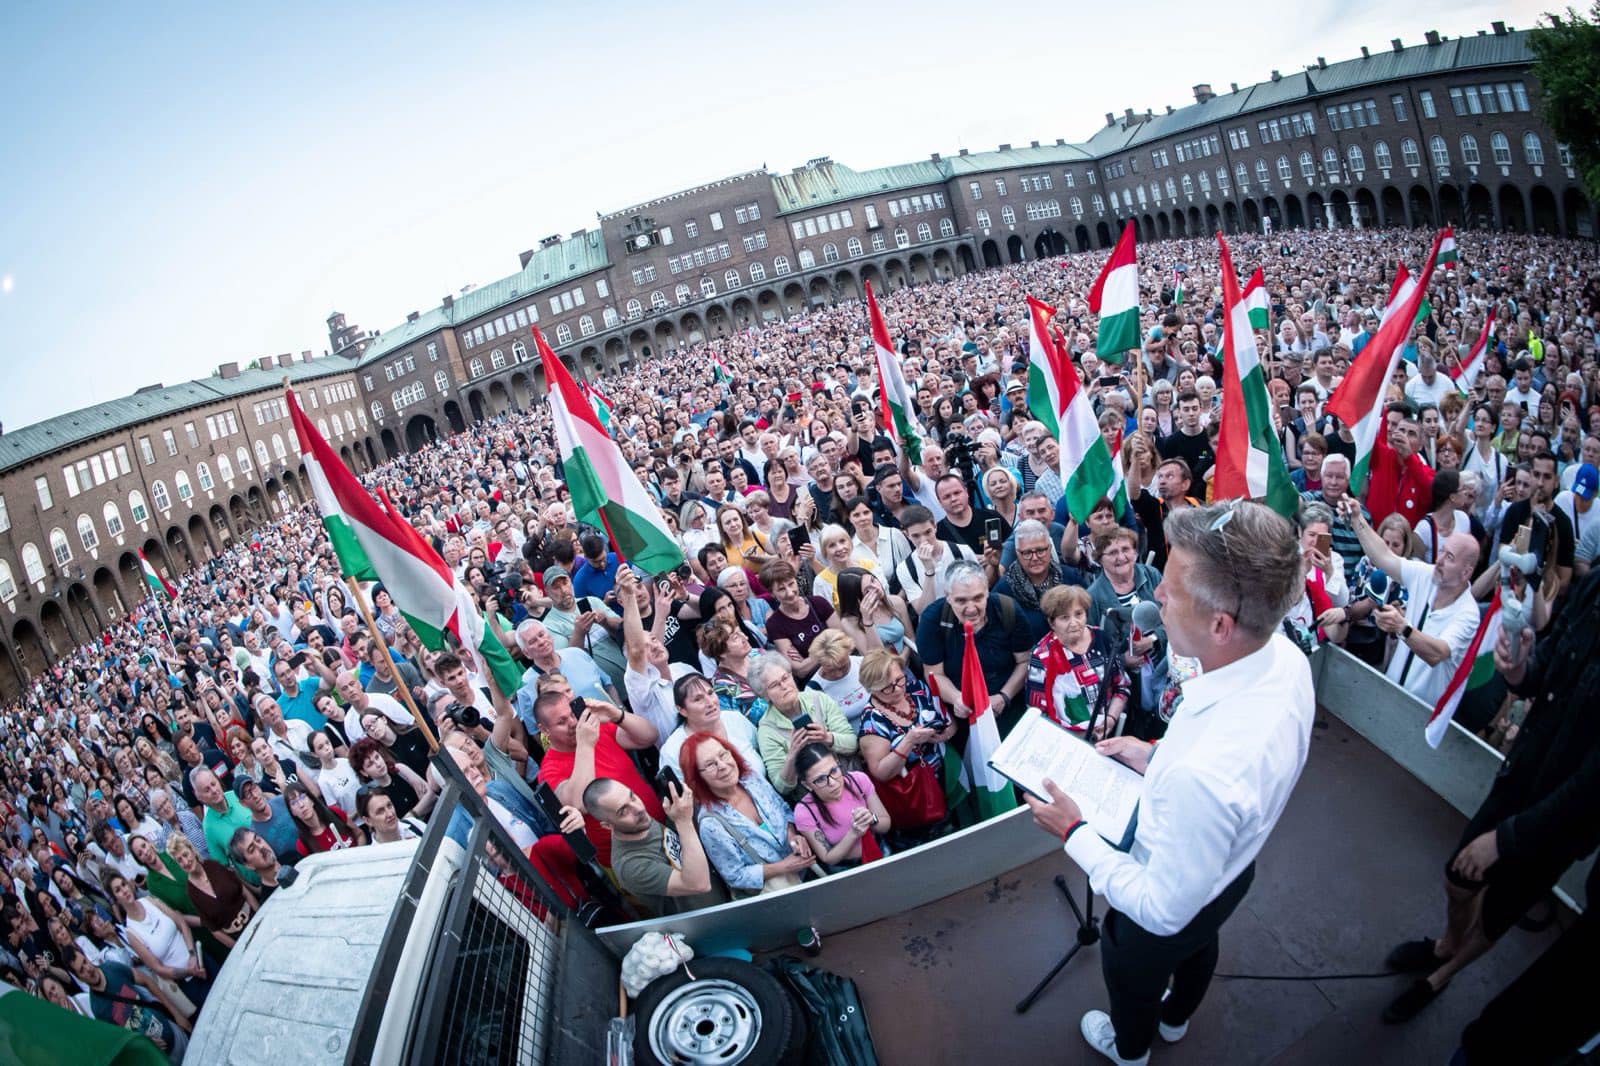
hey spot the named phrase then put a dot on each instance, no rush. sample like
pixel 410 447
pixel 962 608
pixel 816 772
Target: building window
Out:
pixel 244 460
pixel 146 452
pixel 112 518
pixel 190 435
pixel 758 271
pixel 1381 156
pixel 519 352
pixel 181 480
pixel 610 317
pixel 1440 151
pixel 41 485
pixel 497 359
pixel 947 227
pixel 1564 155
pixel 1330 163
pixel 1241 174
pixel 999 186
pixel 262 457
pixel 780 265
pixel 1398 103
pixel 983 219
pixel 852 247
pixel 1285 171
pixel 635 309
pixel 878 243
pixel 32 564
pixel 8 584
pixel 86 534
pixel 1409 154
pixel 691 228
pixel 658 301
pixel 1357 160
pixel 441 382
pixel 60 548
pixel 158 492
pixel 976 189
pixel 1425 101
pixel 225 466
pixel 830 252
pixel 171 441
pixel 1532 149
pixel 474 370
pixel 683 294
pixel 1008 217
pixel 203 474
pixel 563 334
pixel 5 516
pixel 1469 150
pixel 708 287
pixel 433 349
pixel 807 259
pixel 716 220
pixel 1188 185
pixel 732 280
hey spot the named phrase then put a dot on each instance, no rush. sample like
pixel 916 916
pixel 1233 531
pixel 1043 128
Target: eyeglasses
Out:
pixel 896 684
pixel 823 779
pixel 1033 553
pixel 1219 524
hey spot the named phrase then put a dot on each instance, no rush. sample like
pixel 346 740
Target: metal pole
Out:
pixel 400 687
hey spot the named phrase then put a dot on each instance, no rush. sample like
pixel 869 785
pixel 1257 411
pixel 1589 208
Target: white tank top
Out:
pixel 159 935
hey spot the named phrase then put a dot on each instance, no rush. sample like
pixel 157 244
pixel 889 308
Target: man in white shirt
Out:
pixel 1440 615
pixel 1522 390
pixel 1427 385
pixel 1229 760
pixel 922 574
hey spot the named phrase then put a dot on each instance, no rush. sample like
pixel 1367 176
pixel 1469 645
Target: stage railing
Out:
pixel 1459 771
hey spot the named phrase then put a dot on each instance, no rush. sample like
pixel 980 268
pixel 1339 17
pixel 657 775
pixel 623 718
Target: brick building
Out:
pixel 1443 131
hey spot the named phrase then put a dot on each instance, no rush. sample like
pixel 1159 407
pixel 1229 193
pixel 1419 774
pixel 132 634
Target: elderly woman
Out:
pixel 729 651
pixel 868 615
pixel 244 760
pixel 1320 613
pixel 746 828
pixel 699 711
pixel 1307 477
pixel 1076 673
pixel 222 899
pixel 838 675
pixel 779 493
pixel 751 610
pixel 1033 573
pixel 838 554
pixel 903 734
pixel 794 719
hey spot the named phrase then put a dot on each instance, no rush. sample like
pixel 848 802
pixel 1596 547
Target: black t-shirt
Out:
pixel 1555 525
pixel 213 758
pixel 971 534
pixel 1195 450
pixel 865 448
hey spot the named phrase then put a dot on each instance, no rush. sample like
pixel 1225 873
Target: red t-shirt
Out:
pixel 610 760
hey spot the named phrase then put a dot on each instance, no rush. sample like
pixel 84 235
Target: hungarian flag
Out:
pixel 894 395
pixel 1257 302
pixel 373 544
pixel 599 403
pixel 720 374
pixel 1476 669
pixel 604 489
pixel 1466 375
pixel 1115 298
pixel 1250 460
pixel 989 791
pixel 158 585
pixel 1359 400
pixel 1089 470
pixel 1447 249
pixel 1177 287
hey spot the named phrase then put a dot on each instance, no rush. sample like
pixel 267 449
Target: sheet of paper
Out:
pixel 1105 790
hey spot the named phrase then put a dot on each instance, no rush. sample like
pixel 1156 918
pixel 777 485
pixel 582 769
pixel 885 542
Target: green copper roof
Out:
pixel 826 182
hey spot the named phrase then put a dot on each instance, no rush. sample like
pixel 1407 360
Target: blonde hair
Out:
pixel 832 648
pixel 830 533
pixel 879 667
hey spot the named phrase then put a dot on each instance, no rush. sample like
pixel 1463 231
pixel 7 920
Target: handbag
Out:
pixel 914 798
pixel 771 884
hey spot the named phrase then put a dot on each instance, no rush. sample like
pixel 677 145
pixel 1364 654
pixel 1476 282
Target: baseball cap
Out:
pixel 1585 481
pixel 556 573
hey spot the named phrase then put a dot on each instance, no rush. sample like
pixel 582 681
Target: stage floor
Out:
pixel 1353 867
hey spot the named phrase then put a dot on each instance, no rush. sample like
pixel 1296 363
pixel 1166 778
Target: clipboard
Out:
pixel 1105 790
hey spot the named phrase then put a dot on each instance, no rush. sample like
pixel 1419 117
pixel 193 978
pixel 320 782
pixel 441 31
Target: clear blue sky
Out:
pixel 190 185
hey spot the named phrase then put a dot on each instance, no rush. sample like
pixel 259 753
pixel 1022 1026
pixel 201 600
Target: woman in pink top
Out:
pixel 840 814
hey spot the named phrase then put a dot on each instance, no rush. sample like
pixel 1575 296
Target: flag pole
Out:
pixel 400 686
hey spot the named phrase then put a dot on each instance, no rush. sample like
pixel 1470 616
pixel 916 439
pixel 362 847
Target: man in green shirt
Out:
pixel 664 868
pixel 224 812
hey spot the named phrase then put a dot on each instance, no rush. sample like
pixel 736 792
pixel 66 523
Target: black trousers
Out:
pixel 1139 966
pixel 1548 1012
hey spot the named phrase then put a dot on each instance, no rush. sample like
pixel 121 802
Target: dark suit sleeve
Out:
pixel 1563 825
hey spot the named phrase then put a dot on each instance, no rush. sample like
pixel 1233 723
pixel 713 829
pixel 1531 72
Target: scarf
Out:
pixel 1057 663
pixel 1022 587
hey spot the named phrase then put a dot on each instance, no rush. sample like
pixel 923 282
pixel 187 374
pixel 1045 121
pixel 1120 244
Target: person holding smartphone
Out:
pixel 664 867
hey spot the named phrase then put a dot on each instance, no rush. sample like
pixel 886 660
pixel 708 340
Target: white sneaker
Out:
pixel 1102 1036
pixel 1172 1033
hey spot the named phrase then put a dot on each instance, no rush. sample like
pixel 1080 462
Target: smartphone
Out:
pixel 297 660
pixel 666 780
pixel 801 722
pixel 579 705
pixel 1324 541
pixel 798 538
pixel 991 532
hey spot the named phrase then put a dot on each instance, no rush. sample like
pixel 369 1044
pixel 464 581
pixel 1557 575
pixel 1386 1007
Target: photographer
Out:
pixel 664 867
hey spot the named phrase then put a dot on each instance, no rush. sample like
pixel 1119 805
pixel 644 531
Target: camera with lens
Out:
pixel 463 716
pixel 960 455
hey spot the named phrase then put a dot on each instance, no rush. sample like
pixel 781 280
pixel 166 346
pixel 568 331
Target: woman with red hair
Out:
pixel 745 826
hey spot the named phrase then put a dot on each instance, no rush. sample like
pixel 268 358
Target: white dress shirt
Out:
pixel 1214 788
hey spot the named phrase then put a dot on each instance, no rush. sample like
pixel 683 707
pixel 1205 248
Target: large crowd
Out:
pixel 789 701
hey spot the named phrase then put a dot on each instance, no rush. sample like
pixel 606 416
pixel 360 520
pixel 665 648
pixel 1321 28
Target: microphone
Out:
pixel 1146 619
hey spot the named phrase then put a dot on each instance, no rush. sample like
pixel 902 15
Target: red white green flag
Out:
pixel 1089 470
pixel 1447 249
pixel 1250 461
pixel 1466 375
pixel 1115 298
pixel 1477 668
pixel 1257 302
pixel 159 587
pixel 989 791
pixel 894 394
pixel 720 374
pixel 603 486
pixel 600 404
pixel 1359 400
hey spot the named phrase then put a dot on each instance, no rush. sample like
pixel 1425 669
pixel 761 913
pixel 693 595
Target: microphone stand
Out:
pixel 1088 931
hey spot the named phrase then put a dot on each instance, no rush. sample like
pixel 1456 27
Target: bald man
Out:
pixel 1440 616
pixel 358 701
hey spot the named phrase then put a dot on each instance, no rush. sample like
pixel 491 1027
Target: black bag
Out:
pixel 839 1032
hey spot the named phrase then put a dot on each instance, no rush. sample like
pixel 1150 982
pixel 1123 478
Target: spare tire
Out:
pixel 721 1011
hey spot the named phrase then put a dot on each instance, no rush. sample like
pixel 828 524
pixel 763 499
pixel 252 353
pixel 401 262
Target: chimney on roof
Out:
pixel 1169 109
pixel 305 356
pixel 1149 114
pixel 1499 28
pixel 545 242
pixel 1277 76
pixel 935 157
pixel 1127 116
pixel 1432 36
pixel 1364 53
pixel 962 152
pixel 525 257
pixel 578 233
pixel 1061 140
pixel 1202 93
pixel 1005 148
pixel 413 316
pixel 1394 43
pixel 1322 64
pixel 228 370
pixel 449 301
pixel 1111 120
pixel 1233 86
pixel 286 358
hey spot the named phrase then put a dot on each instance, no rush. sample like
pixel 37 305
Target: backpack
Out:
pixel 839 1035
pixel 1008 613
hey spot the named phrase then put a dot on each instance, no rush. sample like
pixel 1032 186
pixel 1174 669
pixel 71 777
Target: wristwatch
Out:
pixel 1405 634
